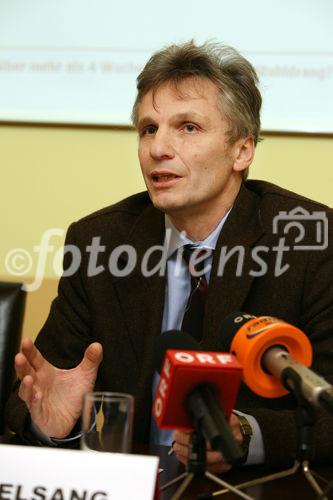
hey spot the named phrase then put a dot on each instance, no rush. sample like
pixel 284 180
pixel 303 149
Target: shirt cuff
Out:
pixel 74 435
pixel 256 454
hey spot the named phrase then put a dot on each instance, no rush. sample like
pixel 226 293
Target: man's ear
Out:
pixel 244 153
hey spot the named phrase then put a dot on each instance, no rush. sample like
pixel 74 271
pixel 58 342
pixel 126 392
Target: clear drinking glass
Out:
pixel 107 422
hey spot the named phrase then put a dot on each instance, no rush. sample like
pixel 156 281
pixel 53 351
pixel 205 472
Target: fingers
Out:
pixel 32 354
pixel 25 365
pixel 22 366
pixel 181 451
pixel 180 457
pixel 29 361
pixel 214 459
pixel 26 390
pixel 218 468
pixel 92 357
pixel 181 445
pixel 32 397
pixel 182 437
pixel 235 428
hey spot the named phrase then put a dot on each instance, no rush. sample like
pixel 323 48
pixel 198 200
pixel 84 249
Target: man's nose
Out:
pixel 161 145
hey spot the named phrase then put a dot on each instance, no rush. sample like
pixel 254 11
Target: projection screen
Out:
pixel 76 61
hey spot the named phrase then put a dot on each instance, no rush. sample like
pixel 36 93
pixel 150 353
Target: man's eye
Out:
pixel 149 130
pixel 189 127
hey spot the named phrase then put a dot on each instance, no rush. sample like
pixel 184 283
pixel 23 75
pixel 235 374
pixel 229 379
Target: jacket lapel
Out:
pixel 142 298
pixel 231 279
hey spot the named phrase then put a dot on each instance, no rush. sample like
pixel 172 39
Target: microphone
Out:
pixel 275 356
pixel 193 384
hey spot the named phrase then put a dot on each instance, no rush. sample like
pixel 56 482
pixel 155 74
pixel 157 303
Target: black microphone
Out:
pixel 173 339
pixel 275 356
pixel 192 388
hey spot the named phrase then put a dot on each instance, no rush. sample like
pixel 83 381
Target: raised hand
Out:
pixel 54 396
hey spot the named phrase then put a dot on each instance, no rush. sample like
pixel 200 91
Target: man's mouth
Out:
pixel 164 180
pixel 164 177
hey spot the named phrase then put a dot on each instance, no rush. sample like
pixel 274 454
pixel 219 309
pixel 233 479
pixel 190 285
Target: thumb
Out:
pixel 92 357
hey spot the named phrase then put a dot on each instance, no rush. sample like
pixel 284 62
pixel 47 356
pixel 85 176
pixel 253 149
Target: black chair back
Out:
pixel 12 302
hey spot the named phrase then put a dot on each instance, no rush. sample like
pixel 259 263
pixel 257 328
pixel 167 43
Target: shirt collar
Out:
pixel 178 239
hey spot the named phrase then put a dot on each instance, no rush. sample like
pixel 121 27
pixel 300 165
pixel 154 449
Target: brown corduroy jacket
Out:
pixel 125 313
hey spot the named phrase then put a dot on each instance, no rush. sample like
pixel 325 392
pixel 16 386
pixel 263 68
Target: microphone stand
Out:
pixel 196 467
pixel 305 419
pixel 328 490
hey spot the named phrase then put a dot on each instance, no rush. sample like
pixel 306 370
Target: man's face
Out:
pixel 187 164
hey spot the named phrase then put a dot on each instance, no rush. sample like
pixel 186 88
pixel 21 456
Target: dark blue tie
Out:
pixel 195 307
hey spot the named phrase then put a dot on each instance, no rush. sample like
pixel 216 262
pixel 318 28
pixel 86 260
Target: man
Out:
pixel 197 115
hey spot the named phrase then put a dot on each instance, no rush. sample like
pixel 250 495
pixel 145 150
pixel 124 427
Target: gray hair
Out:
pixel 233 75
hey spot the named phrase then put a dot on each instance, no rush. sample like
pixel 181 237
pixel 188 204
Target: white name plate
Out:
pixel 30 473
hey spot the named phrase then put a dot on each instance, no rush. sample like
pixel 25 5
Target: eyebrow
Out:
pixel 147 120
pixel 187 116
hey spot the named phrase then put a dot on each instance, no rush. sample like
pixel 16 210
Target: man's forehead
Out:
pixel 190 87
pixel 188 90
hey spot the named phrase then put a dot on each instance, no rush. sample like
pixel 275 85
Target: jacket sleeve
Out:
pixel 64 336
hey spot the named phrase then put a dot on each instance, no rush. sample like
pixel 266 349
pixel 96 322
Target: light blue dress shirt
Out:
pixel 178 288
